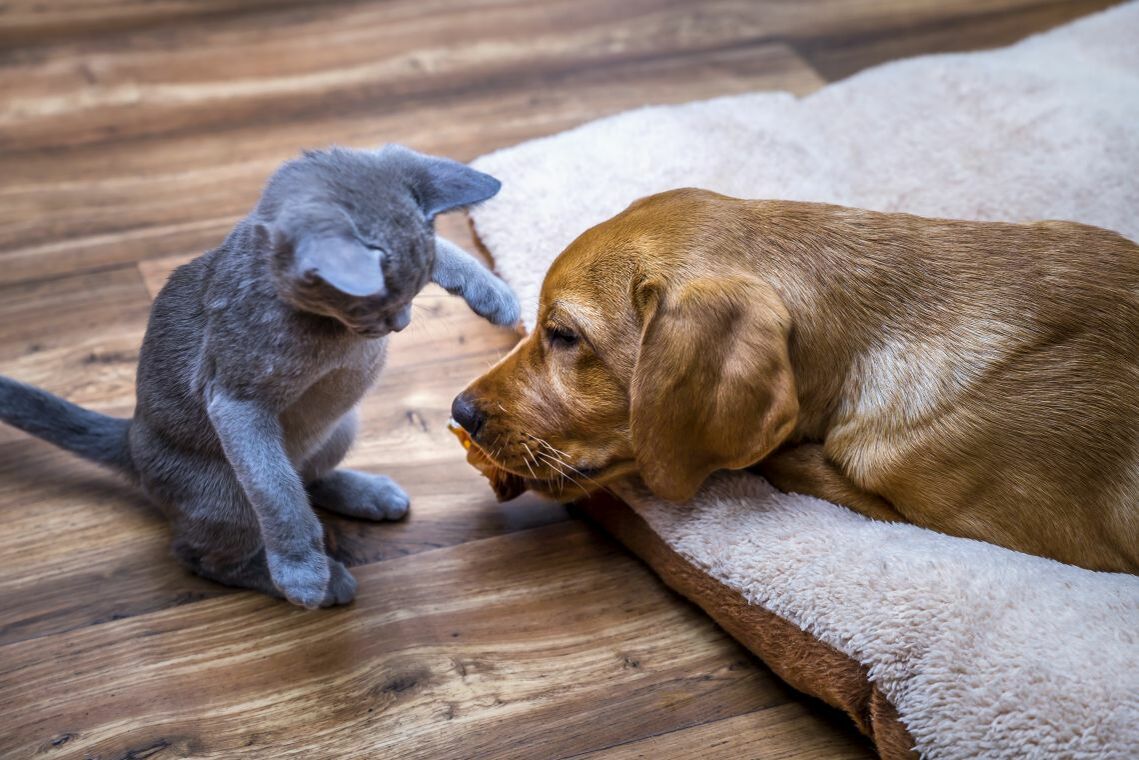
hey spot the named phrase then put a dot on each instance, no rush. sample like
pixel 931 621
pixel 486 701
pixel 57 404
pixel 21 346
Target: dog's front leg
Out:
pixel 807 469
pixel 253 441
pixel 461 274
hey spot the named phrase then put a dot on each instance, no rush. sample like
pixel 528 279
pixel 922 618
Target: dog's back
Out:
pixel 989 374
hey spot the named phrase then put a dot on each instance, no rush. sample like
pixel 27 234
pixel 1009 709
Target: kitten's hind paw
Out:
pixel 304 582
pixel 360 494
pixel 341 587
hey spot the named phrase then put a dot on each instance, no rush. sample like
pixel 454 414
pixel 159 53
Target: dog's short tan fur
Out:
pixel 981 379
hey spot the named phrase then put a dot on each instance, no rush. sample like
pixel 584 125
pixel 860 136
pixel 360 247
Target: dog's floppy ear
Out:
pixel 441 184
pixel 712 385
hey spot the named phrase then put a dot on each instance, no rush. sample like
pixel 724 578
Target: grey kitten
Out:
pixel 256 355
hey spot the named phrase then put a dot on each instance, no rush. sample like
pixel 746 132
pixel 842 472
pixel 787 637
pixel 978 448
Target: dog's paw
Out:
pixel 361 494
pixel 303 580
pixel 493 300
pixel 341 586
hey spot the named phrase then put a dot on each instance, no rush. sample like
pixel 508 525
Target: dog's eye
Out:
pixel 560 337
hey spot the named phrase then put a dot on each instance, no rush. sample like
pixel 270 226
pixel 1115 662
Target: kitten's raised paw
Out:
pixel 496 302
pixel 303 581
pixel 360 494
pixel 341 586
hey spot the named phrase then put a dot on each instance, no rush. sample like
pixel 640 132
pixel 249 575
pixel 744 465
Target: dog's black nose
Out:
pixel 466 412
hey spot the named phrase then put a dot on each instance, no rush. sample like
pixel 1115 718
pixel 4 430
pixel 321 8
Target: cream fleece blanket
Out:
pixel 983 651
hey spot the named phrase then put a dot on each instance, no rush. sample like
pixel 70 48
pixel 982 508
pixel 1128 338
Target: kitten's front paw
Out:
pixel 495 301
pixel 303 581
pixel 360 494
pixel 341 587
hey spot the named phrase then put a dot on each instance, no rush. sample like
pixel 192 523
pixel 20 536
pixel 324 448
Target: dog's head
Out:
pixel 655 352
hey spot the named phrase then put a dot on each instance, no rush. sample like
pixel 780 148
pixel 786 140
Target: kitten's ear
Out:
pixel 343 262
pixel 443 184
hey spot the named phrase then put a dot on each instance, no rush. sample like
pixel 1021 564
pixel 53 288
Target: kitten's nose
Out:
pixel 466 412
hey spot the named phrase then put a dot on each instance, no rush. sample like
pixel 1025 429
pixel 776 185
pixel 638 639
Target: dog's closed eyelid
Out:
pixel 560 319
pixel 557 335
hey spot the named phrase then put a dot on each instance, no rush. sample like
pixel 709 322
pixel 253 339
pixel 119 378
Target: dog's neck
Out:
pixel 851 303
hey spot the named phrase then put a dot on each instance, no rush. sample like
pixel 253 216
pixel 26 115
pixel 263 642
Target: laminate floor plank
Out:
pixel 787 731
pixel 75 335
pixel 541 644
pixel 35 22
pixel 983 26
pixel 279 66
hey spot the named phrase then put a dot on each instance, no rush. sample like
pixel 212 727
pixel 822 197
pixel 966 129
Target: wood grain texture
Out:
pixel 133 134
pixel 34 22
pixel 543 644
pixel 77 336
pixel 786 731
pixel 986 25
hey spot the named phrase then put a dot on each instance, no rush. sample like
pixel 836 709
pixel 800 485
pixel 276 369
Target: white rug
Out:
pixel 984 652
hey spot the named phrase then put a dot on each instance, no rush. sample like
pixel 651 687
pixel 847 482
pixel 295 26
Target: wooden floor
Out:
pixel 132 136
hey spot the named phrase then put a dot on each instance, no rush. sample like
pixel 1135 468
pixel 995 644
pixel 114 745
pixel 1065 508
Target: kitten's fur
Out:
pixel 256 355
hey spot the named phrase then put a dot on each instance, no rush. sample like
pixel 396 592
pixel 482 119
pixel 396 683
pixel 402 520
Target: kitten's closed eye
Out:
pixel 359 309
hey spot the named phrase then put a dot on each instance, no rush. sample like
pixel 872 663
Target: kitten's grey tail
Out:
pixel 97 437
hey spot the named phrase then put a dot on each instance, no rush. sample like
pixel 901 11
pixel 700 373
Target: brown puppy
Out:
pixel 980 379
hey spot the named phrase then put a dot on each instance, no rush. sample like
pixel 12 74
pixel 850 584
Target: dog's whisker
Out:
pixel 561 461
pixel 565 476
pixel 557 461
pixel 557 454
pixel 526 460
pixel 553 464
pixel 581 474
pixel 552 448
pixel 543 442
